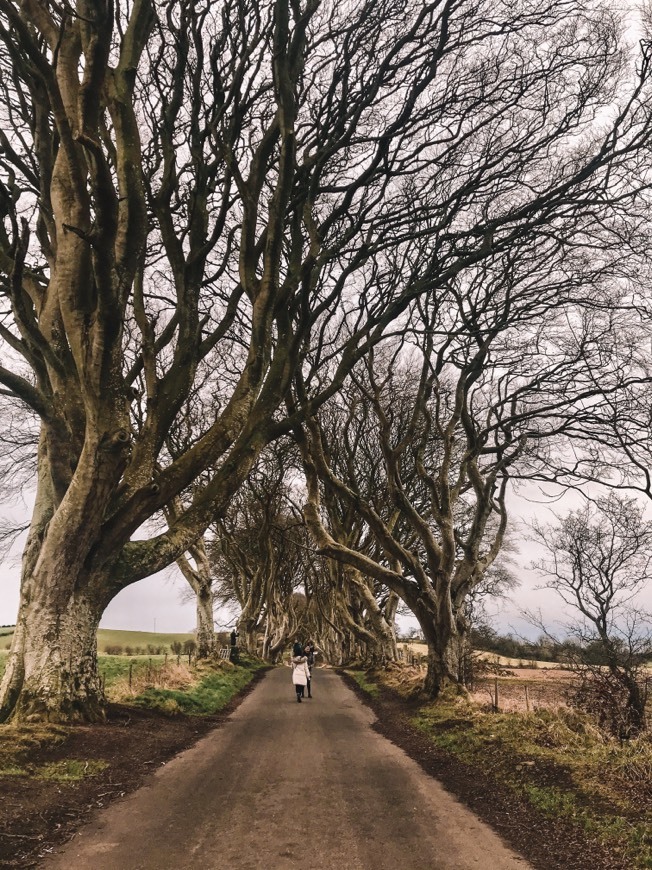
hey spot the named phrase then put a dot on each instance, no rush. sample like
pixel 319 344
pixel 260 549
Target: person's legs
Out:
pixel 309 694
pixel 299 692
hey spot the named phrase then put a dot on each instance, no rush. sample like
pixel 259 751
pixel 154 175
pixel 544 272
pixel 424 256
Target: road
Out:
pixel 284 785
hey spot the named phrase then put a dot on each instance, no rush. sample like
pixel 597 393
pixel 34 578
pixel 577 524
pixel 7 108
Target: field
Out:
pixel 108 637
pixel 421 650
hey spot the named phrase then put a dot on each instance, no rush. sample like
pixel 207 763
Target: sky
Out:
pixel 161 602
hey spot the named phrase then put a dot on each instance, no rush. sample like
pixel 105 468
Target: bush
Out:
pixel 114 650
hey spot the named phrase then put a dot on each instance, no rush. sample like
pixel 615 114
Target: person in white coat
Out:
pixel 300 675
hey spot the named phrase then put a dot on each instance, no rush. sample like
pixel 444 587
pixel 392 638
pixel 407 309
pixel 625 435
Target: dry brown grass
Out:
pixel 167 676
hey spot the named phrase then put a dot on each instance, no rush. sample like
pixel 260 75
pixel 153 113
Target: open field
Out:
pixel 420 649
pixel 107 637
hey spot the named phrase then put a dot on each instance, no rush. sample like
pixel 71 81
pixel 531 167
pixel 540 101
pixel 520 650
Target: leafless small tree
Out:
pixel 599 559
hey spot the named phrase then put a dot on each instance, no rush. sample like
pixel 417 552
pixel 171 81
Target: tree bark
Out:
pixel 201 582
pixel 205 624
pixel 51 671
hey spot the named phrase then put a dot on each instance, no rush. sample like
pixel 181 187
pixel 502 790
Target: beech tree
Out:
pixel 507 366
pixel 355 612
pixel 260 556
pixel 261 186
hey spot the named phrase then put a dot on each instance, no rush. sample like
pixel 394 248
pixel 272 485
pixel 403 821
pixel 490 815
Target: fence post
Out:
pixel 527 700
pixel 495 694
pixel 131 667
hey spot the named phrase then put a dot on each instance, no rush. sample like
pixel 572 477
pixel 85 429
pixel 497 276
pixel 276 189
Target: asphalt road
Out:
pixel 284 785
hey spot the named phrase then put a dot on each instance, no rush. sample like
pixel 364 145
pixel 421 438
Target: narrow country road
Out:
pixel 284 785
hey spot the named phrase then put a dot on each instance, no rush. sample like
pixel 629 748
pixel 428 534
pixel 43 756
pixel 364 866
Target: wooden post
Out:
pixel 495 694
pixel 527 700
pixel 131 667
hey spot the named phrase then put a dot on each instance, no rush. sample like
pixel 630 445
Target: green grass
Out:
pixel 211 693
pixel 113 668
pixel 362 681
pixel 117 637
pixel 70 770
pixel 560 763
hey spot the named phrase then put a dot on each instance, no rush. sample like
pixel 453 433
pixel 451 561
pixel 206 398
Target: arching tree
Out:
pixel 262 186
pixel 259 556
pixel 508 364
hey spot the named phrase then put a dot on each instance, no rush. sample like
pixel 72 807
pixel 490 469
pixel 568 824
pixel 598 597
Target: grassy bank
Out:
pixel 559 762
pixel 200 690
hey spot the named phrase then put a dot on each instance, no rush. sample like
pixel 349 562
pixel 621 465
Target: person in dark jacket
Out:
pixel 309 653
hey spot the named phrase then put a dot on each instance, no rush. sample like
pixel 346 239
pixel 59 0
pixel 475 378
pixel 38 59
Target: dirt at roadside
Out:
pixel 546 843
pixel 36 814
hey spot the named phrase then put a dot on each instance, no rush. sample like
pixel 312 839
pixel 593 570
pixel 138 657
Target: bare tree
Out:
pixel 498 386
pixel 599 558
pixel 259 556
pixel 263 186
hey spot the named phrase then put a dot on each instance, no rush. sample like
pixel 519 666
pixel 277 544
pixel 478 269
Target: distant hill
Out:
pixel 115 637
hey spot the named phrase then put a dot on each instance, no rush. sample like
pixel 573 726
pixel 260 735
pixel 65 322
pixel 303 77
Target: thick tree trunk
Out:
pixel 51 671
pixel 205 623
pixel 445 665
pixel 200 581
pixel 446 634
pixel 248 636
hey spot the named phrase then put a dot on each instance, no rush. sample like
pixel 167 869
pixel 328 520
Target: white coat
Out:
pixel 300 671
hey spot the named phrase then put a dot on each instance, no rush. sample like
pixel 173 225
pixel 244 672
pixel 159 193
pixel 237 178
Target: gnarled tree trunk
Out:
pixel 51 671
pixel 201 582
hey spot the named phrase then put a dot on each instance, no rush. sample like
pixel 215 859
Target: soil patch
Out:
pixel 39 814
pixel 548 844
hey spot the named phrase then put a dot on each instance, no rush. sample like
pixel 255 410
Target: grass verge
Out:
pixel 201 690
pixel 365 684
pixel 560 763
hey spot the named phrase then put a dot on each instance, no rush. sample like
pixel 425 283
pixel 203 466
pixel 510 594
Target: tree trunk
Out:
pixel 200 581
pixel 51 670
pixel 444 665
pixel 447 638
pixel 205 622
pixel 248 635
